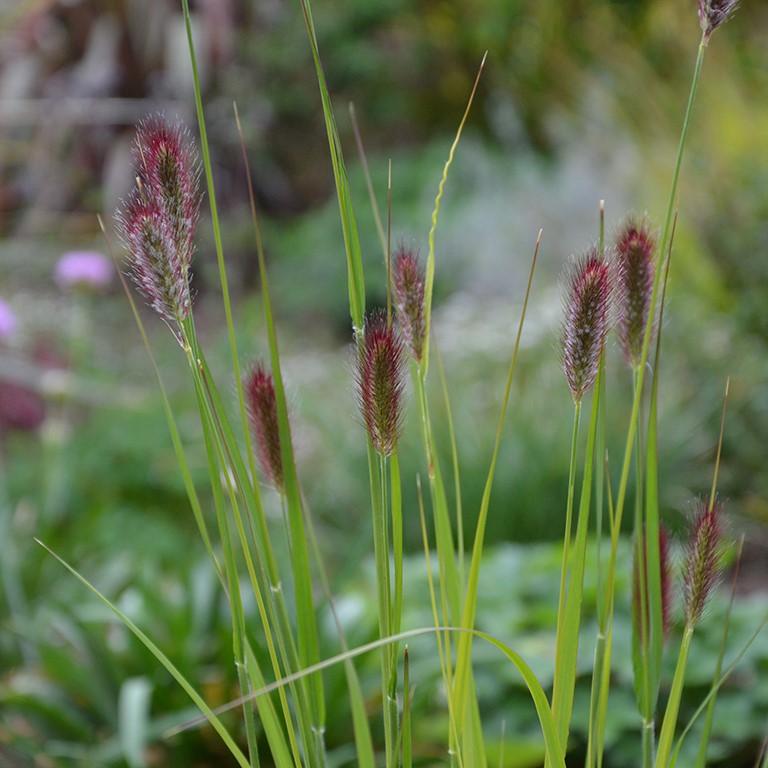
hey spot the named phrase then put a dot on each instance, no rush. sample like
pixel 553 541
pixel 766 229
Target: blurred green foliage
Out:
pixel 561 78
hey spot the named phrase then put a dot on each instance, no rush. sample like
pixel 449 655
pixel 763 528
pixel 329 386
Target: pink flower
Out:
pixel 84 270
pixel 8 321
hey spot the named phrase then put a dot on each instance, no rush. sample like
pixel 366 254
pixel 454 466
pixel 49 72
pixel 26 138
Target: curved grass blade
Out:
pixel 208 713
pixel 538 696
pixel 430 270
pixel 470 603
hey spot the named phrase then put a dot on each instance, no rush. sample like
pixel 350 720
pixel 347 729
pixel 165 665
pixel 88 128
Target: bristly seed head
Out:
pixel 157 222
pixel 586 321
pixel 262 413
pixel 635 245
pixel 714 13
pixel 379 376
pixel 408 277
pixel 702 560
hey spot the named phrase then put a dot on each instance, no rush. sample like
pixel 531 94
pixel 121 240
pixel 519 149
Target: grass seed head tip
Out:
pixel 380 380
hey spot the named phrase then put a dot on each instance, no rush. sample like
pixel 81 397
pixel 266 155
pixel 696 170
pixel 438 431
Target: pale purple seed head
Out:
pixel 587 306
pixel 408 277
pixel 155 263
pixel 703 556
pixel 84 271
pixel 380 380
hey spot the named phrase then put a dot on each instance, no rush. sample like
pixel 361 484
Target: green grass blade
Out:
pixel 443 644
pixel 536 692
pixel 363 741
pixel 164 660
pixel 470 603
pixel 450 583
pixel 396 505
pixel 407 735
pixel 716 687
pixel 308 644
pixel 430 268
pixel 673 703
pixel 701 758
pixel 356 283
pixel 455 463
pixel 208 172
pixel 567 650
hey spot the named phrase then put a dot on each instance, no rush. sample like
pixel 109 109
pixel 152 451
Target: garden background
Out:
pixel 578 102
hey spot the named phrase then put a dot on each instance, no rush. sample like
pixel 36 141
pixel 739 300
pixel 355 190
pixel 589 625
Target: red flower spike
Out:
pixel 586 321
pixel 702 561
pixel 636 268
pixel 262 413
pixel 379 376
pixel 408 277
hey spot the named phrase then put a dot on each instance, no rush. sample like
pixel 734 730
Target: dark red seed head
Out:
pixel 636 267
pixel 408 276
pixel 586 321
pixel 379 375
pixel 262 413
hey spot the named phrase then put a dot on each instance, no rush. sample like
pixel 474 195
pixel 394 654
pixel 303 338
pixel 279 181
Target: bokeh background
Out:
pixel 578 102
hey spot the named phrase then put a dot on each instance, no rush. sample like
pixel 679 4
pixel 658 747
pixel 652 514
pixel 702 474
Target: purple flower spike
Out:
pixel 586 321
pixel 635 246
pixel 262 412
pixel 702 562
pixel 84 270
pixel 380 382
pixel 157 223
pixel 408 276
pixel 8 321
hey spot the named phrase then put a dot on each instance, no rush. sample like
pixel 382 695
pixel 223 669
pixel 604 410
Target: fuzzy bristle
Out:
pixel 408 277
pixel 635 265
pixel 157 222
pixel 262 413
pixel 702 562
pixel 379 375
pixel 586 321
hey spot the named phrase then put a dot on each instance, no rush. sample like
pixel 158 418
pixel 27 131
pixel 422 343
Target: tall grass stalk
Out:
pixel 283 697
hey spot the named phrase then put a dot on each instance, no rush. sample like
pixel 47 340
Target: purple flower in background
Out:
pixel 84 270
pixel 8 321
